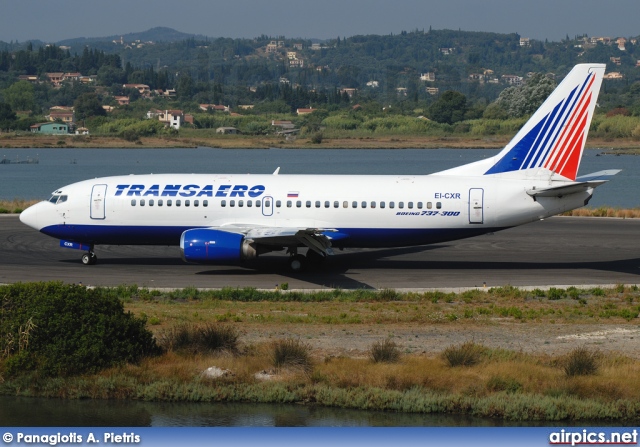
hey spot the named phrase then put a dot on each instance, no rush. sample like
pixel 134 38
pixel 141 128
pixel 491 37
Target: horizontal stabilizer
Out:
pixel 582 184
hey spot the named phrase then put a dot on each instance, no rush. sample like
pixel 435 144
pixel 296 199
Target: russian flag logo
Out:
pixel 292 194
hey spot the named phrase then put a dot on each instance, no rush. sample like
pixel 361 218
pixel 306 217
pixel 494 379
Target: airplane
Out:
pixel 233 219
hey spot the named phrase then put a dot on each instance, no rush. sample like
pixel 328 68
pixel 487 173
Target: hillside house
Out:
pixel 143 89
pixel 512 79
pixel 170 118
pixel 214 108
pixel 304 111
pixel 65 116
pixel 428 77
pixel 122 100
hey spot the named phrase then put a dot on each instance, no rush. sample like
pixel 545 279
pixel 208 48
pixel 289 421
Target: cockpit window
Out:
pixel 56 198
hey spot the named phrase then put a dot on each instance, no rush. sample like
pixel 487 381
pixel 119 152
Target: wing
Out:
pixel 316 239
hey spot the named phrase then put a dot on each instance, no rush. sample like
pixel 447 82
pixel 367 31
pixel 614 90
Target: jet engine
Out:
pixel 208 246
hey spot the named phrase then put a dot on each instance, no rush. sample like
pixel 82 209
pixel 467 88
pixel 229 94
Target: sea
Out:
pixel 58 167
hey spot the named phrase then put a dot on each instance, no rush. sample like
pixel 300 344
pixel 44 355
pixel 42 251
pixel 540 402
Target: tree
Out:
pixel 88 105
pixel 525 99
pixel 449 108
pixel 7 116
pixel 20 96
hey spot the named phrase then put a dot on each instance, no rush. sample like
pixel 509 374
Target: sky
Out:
pixel 51 21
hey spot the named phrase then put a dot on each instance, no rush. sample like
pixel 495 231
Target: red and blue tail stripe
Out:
pixel 554 137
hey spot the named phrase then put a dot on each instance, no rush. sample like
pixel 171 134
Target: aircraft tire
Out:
pixel 297 263
pixel 89 258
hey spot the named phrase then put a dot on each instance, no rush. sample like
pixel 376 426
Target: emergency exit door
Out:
pixel 476 206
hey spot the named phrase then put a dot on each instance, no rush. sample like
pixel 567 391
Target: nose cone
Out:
pixel 30 216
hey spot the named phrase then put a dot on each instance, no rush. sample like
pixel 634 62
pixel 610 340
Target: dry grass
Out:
pixel 15 205
pixel 632 213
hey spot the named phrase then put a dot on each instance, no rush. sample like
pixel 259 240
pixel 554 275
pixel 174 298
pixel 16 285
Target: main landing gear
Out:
pixel 89 258
pixel 299 263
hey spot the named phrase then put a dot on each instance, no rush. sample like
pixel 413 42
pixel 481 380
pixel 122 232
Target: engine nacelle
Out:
pixel 207 246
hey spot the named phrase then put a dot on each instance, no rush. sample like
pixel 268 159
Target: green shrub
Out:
pixel 385 351
pixel 291 352
pixel 508 384
pixel 466 354
pixel 581 362
pixel 58 329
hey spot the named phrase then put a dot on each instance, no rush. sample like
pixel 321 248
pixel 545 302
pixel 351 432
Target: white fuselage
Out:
pixel 373 211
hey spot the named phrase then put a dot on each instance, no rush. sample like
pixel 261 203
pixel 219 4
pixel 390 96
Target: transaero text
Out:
pixel 189 191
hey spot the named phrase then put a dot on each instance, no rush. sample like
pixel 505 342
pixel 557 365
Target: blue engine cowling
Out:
pixel 207 246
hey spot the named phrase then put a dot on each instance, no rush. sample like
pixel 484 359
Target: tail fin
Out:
pixel 553 139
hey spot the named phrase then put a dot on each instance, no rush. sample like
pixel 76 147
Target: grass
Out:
pixel 15 206
pixel 285 332
pixel 291 353
pixel 581 362
pixel 506 384
pixel 384 351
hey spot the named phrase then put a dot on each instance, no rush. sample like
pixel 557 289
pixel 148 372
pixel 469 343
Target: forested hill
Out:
pixel 414 67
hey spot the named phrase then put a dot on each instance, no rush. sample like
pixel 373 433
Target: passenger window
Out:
pixel 232 203
pixel 336 204
pixel 364 204
pixel 196 203
pixel 278 203
pixel 317 204
pixel 169 202
pixel 400 205
pixel 438 205
pixel 205 203
pixel 187 202
pixel 150 202
pixel 373 204
pixel 345 204
pixel 223 203
pixel 298 203
pixel 159 202
pixel 267 203
pixel 249 203
pixel 289 204
pixel 419 205
pixel 257 204
pixel 354 204
pixel 141 202
pixel 381 204
pixel 240 203
pixel 429 205
pixel 133 202
pixel 410 205
pixel 327 204
pixel 392 205
pixel 178 202
pixel 308 204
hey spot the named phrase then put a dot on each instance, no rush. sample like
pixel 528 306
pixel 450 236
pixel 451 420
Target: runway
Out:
pixel 557 251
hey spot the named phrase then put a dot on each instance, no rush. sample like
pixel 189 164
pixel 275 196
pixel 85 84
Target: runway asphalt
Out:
pixel 557 251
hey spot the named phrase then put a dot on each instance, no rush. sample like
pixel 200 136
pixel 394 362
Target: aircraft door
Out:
pixel 98 194
pixel 267 206
pixel 476 206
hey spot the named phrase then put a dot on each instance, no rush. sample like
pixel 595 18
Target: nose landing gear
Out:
pixel 89 258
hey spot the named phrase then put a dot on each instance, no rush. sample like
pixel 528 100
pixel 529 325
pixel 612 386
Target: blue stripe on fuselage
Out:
pixel 170 235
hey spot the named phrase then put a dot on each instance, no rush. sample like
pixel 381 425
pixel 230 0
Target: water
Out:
pixel 59 167
pixel 41 412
